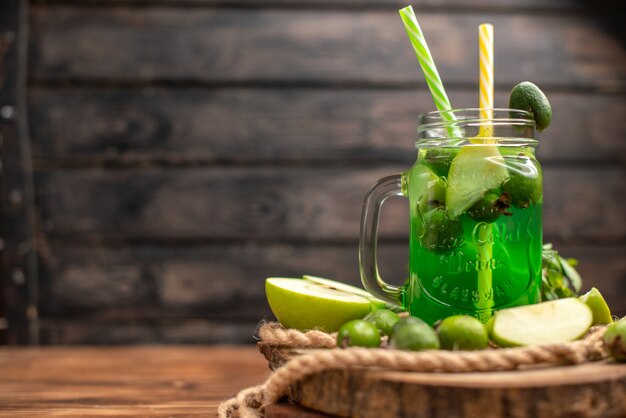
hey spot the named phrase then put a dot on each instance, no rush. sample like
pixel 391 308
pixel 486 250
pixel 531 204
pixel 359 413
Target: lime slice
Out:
pixel 475 170
pixel 304 304
pixel 598 306
pixel 557 321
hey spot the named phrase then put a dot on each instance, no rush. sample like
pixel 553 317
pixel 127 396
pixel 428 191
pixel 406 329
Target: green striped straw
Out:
pixel 433 80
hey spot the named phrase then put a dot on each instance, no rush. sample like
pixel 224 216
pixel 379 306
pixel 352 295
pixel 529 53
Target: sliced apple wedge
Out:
pixel 475 170
pixel 598 306
pixel 306 304
pixel 557 321
pixel 333 284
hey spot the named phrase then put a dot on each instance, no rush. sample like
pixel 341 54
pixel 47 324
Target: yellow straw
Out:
pixel 485 36
pixel 485 230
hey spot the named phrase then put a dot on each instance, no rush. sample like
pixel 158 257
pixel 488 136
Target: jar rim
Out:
pixel 514 116
pixel 504 124
pixel 459 142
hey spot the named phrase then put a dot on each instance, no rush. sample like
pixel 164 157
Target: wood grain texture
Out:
pixel 284 203
pixel 227 281
pixel 223 282
pixel 153 294
pixel 124 382
pixel 592 390
pixel 448 5
pixel 89 127
pixel 18 258
pixel 185 150
pixel 154 330
pixel 222 45
pixel 286 410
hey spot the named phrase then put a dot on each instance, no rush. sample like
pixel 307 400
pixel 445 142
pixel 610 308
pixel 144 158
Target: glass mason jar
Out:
pixel 475 200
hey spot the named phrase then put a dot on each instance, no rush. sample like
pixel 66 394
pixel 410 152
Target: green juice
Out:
pixel 476 231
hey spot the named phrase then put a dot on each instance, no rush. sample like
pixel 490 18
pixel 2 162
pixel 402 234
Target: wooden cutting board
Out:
pixel 287 410
pixel 591 390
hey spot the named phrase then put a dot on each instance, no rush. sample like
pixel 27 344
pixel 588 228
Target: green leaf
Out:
pixel 555 278
pixel 559 278
pixel 571 274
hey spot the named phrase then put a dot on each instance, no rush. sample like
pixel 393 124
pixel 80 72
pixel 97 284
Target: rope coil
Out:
pixel 252 401
pixel 273 333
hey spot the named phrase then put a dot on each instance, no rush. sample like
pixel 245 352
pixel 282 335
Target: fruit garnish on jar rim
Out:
pixel 527 96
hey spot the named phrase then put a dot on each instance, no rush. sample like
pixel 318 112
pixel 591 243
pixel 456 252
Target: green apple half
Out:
pixel 557 321
pixel 313 304
pixel 379 304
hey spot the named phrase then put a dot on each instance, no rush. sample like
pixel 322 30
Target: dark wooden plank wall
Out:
pixel 18 270
pixel 184 151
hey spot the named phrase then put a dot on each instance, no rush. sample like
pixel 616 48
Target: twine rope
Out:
pixel 250 403
pixel 273 333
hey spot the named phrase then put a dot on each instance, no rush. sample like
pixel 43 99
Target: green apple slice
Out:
pixel 557 321
pixel 475 170
pixel 333 284
pixel 598 306
pixel 305 304
pixel 419 179
pixel 376 303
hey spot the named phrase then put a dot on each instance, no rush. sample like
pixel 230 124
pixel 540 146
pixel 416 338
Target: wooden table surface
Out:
pixel 124 381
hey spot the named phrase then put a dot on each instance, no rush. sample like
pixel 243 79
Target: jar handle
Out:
pixel 368 264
